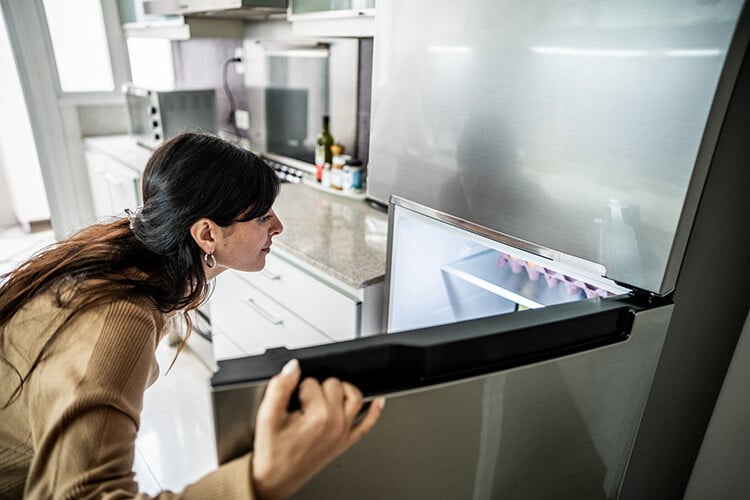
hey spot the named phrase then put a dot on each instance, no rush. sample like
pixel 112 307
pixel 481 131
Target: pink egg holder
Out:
pixel 553 278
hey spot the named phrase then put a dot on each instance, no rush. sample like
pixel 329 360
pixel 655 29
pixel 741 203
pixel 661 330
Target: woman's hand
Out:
pixel 290 448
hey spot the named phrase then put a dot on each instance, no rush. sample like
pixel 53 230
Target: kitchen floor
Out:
pixel 175 444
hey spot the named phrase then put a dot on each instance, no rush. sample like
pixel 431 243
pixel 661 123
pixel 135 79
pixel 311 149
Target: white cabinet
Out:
pixel 114 186
pixel 287 305
pixel 301 9
pixel 246 321
pixel 348 18
pixel 331 311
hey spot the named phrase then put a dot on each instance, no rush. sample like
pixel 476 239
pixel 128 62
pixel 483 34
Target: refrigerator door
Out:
pixel 542 402
pixel 586 130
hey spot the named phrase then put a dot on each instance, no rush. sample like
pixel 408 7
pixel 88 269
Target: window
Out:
pixel 79 42
pixel 151 63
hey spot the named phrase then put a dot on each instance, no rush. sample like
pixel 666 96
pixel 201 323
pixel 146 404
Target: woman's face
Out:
pixel 244 245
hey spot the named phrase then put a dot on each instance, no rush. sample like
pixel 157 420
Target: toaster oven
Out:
pixel 156 115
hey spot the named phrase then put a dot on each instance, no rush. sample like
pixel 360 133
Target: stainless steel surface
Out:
pixel 574 129
pixel 156 115
pixel 234 419
pixel 562 428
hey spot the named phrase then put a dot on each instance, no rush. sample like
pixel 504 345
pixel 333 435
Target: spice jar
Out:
pixel 337 170
pixel 352 175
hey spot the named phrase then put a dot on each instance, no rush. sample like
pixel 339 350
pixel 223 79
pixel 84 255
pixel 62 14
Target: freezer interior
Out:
pixel 440 272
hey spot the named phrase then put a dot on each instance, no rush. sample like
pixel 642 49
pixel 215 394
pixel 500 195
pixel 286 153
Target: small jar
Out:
pixel 352 176
pixel 337 167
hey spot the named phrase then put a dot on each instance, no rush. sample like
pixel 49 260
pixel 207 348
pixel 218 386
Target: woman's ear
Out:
pixel 204 232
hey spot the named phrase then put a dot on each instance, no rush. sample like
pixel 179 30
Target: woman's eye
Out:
pixel 266 218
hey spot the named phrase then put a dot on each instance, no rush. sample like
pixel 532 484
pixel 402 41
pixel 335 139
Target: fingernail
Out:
pixel 380 402
pixel 290 368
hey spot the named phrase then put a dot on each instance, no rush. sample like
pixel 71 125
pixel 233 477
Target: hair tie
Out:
pixel 133 215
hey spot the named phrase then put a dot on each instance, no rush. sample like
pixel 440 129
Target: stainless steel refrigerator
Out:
pixel 559 178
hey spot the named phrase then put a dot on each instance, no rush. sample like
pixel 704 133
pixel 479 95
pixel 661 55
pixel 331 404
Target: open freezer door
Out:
pixel 511 406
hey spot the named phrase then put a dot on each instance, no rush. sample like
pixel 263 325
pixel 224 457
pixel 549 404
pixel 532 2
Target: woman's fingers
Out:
pixel 334 392
pixel 361 428
pixel 352 401
pixel 272 409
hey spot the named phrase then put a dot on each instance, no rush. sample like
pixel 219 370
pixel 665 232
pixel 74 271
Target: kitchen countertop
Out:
pixel 122 148
pixel 342 237
pixel 338 236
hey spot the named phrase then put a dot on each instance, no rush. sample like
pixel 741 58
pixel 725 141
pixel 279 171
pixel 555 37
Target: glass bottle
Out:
pixel 323 150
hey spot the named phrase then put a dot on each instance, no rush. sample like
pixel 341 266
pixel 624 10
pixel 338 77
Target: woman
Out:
pixel 80 322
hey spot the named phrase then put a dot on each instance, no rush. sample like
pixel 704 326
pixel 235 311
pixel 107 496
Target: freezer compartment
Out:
pixel 441 270
pixel 531 405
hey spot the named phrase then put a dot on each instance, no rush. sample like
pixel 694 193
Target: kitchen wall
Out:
pixel 101 119
pixel 199 64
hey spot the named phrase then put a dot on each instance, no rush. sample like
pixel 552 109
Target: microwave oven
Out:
pixel 291 84
pixel 155 115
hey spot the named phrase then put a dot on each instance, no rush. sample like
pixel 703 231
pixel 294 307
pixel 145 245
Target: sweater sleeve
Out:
pixel 85 400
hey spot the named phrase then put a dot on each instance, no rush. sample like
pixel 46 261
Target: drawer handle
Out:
pixel 271 276
pixel 112 179
pixel 269 317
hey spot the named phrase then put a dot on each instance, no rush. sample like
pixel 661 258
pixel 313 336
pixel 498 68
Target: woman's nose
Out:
pixel 278 226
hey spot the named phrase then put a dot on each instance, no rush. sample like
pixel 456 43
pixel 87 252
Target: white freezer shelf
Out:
pixel 485 271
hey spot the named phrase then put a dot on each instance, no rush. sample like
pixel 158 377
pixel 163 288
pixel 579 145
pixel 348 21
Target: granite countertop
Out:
pixel 338 236
pixel 342 237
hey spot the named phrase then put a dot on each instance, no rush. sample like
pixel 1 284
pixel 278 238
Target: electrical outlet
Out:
pixel 239 67
pixel 242 119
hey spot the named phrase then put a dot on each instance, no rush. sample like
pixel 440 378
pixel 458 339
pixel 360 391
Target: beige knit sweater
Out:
pixel 71 431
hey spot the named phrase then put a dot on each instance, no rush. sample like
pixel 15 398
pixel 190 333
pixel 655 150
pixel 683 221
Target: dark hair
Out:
pixel 189 177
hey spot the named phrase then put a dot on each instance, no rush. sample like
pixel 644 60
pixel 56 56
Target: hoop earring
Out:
pixel 209 260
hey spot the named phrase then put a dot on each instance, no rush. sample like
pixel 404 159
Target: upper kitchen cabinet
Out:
pixel 351 18
pixel 154 19
pixel 218 9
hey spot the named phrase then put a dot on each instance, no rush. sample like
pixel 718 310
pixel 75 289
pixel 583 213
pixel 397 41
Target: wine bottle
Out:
pixel 323 149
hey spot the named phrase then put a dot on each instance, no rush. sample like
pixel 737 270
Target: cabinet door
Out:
pixel 124 187
pixel 332 312
pixel 254 322
pixel 97 168
pixel 330 8
pixel 114 187
pixel 224 347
